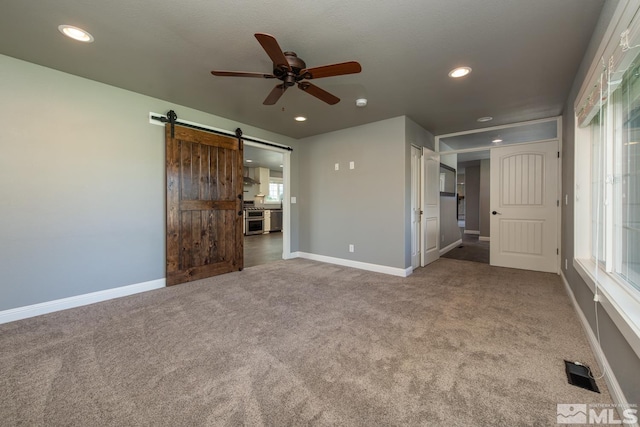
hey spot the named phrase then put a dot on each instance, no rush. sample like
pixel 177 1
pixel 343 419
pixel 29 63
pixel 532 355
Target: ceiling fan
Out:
pixel 291 70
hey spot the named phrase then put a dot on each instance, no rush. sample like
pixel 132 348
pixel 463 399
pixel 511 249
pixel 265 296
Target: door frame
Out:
pixel 286 174
pixel 286 204
pixel 558 119
pixel 417 204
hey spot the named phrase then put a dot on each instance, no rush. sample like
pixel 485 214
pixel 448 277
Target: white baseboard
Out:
pixel 78 300
pixel 612 383
pixel 484 238
pixel 472 232
pixel 394 271
pixel 450 247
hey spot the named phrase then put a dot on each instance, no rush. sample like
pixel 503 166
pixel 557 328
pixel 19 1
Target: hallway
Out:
pixel 471 249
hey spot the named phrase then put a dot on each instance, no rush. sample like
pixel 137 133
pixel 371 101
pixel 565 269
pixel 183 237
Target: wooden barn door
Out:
pixel 204 204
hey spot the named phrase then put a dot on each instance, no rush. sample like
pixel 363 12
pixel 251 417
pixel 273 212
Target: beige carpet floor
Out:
pixel 296 343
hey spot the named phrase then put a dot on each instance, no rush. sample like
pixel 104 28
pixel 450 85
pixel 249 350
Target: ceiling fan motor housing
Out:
pixel 290 77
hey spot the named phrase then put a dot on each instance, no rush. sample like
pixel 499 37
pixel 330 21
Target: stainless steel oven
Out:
pixel 254 221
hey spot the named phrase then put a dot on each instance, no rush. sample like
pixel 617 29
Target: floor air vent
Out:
pixel 580 376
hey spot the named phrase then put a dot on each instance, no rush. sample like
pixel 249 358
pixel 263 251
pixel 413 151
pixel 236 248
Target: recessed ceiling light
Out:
pixel 301 119
pixel 249 161
pixel 281 166
pixel 76 33
pixel 496 140
pixel 459 72
pixel 361 102
pixel 485 119
pixel 631 143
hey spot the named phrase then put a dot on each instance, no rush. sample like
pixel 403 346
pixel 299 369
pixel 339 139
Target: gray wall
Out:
pixel 484 204
pixel 363 206
pixel 368 206
pixel 472 195
pixel 623 360
pixel 83 185
pixel 449 230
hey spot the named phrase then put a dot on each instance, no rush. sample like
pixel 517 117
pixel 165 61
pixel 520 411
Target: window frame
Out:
pixel 621 300
pixel 274 180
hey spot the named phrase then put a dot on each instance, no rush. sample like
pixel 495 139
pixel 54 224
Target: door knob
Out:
pixel 495 213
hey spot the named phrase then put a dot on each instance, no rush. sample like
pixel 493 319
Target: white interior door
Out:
pixel 431 202
pixel 524 206
pixel 416 206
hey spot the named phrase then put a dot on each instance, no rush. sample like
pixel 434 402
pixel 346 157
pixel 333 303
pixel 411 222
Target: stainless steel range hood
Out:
pixel 249 181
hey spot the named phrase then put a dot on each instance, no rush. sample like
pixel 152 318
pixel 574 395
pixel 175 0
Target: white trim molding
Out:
pixel 394 271
pixel 619 301
pixel 612 383
pixel 450 247
pixel 476 232
pixel 484 238
pixel 25 312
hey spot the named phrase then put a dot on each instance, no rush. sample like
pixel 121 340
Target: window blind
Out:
pixel 617 55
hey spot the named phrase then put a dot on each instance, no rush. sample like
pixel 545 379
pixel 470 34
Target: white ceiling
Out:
pixel 524 55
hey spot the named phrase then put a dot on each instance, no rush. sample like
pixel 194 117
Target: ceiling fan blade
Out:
pixel 242 74
pixel 350 67
pixel 271 46
pixel 275 94
pixel 321 94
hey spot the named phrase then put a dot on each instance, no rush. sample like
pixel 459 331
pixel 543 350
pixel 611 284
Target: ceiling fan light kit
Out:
pixel 291 70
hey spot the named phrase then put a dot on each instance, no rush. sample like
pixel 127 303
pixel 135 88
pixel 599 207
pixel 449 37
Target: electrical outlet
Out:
pixel 566 264
pixel 337 166
pixel 352 165
pixel 352 248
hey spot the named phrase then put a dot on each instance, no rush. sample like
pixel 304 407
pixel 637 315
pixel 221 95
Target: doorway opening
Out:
pixel 472 213
pixel 263 196
pixel 513 212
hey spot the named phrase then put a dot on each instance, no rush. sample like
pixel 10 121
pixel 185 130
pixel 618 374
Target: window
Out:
pixel 607 175
pixel 626 178
pixel 276 190
pixel 615 181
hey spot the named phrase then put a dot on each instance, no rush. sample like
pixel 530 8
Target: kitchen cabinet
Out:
pixel 263 177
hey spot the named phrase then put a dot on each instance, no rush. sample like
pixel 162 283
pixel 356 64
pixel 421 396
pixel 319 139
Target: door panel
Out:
pixel 432 234
pixel 204 196
pixel 416 206
pixel 431 217
pixel 524 197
